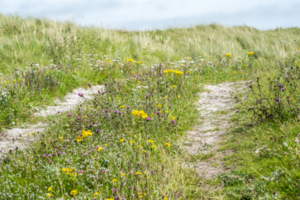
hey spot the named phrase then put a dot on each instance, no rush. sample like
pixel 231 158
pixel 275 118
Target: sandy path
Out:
pixel 203 139
pixel 18 138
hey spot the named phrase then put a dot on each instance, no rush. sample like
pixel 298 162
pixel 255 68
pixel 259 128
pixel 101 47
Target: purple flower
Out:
pixel 59 152
pixel 147 96
pixel 89 84
pixel 70 115
pixel 103 110
pixel 49 155
pixel 157 112
pixel 91 125
pixel 67 140
pixel 162 115
pixel 276 99
pixel 87 120
pixel 80 171
pixel 92 149
pixel 114 189
pixel 280 85
pixel 104 171
pixel 44 155
pixel 120 112
pixel 115 111
pixel 131 187
pixel 95 122
pixel 170 106
pixel 53 154
pixel 58 111
pixel 50 160
pixel 56 146
pixel 282 89
pixel 128 107
pixel 84 154
pixel 148 119
pixel 80 94
pixel 173 121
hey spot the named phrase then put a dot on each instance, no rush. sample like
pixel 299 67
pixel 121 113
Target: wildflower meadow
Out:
pixel 126 142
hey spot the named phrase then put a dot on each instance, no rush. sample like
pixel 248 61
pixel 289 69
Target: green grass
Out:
pixel 74 56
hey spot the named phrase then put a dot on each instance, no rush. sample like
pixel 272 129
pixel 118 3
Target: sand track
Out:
pixel 204 137
pixel 18 138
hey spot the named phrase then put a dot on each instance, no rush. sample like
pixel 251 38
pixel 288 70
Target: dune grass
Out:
pixel 125 143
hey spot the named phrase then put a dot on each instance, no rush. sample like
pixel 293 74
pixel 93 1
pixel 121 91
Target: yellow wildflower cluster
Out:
pixel 228 55
pixel 171 71
pixel 129 60
pixel 250 53
pixel 69 171
pixel 83 135
pixel 140 113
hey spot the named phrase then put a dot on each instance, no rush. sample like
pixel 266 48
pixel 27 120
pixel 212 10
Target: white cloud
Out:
pixel 151 13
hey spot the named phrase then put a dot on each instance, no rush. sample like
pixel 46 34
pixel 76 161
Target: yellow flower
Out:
pixel 242 72
pixel 228 55
pixel 73 192
pixel 114 180
pixel 49 189
pixel 154 90
pixel 173 86
pixel 121 140
pixel 122 106
pixel 138 62
pixel 129 60
pixel 130 141
pixel 178 96
pixel 166 111
pixel 138 82
pixel 165 198
pixel 140 196
pixel 123 175
pixel 110 61
pixel 139 146
pixel 7 81
pixel 83 117
pixel 96 193
pixel 49 195
pixel 171 71
pixel 167 144
pixel 250 53
pixel 138 173
pixel 14 81
pixel 164 97
pixel 234 72
pixel 19 80
pixel 158 105
pixel 153 146
pixel 105 144
pixel 150 141
pixel 172 118
pixel 60 138
pixel 152 115
pixel 99 149
pixel 189 72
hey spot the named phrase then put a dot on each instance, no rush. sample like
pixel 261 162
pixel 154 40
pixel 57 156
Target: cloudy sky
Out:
pixel 152 14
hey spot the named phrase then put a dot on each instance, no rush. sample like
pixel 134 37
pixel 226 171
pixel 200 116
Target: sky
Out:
pixel 161 14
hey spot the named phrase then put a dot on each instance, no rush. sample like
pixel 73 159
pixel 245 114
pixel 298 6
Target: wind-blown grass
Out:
pixel 125 142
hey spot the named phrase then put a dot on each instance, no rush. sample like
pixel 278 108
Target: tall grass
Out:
pixel 41 60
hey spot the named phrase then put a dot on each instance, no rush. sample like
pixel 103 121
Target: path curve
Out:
pixel 17 138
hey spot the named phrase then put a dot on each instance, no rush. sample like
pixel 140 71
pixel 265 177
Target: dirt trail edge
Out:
pixel 216 107
pixel 17 138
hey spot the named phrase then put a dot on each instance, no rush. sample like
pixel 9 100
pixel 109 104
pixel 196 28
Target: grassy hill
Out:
pixel 41 60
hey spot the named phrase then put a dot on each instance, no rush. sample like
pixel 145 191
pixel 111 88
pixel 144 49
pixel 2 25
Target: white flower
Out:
pixel 285 144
